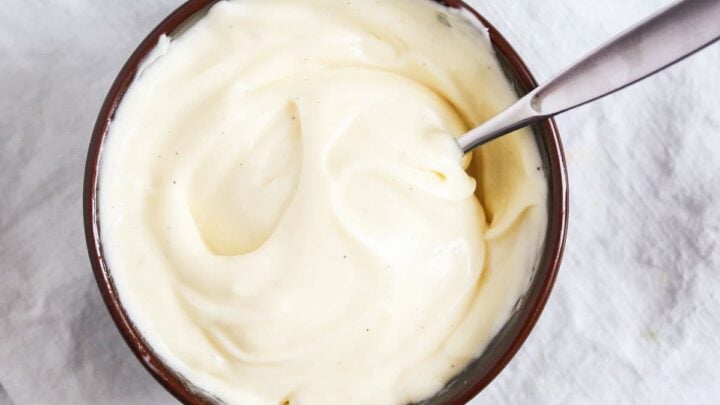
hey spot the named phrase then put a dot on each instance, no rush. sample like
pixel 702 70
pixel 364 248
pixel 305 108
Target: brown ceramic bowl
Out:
pixel 501 349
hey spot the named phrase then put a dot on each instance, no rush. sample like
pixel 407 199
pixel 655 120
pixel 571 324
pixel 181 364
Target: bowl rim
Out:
pixel 170 380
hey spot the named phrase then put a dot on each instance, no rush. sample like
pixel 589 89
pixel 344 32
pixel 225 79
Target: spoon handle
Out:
pixel 660 41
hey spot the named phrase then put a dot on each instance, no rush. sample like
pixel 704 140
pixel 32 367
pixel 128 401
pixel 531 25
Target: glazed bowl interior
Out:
pixel 503 346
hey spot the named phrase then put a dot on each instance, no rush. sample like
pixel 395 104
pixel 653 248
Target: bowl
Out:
pixel 479 373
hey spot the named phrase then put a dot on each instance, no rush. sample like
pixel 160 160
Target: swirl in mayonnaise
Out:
pixel 287 216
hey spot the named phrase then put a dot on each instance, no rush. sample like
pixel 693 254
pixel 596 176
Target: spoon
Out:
pixel 645 49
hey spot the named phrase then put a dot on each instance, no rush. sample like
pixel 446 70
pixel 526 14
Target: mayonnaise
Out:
pixel 287 217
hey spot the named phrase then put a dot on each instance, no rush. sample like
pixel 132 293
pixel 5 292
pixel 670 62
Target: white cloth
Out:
pixel 633 318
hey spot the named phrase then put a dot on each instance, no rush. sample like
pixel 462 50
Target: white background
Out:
pixel 634 315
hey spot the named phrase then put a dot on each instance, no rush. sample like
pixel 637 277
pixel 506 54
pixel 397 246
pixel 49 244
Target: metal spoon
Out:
pixel 645 49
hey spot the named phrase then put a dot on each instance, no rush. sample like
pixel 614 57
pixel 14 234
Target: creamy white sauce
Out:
pixel 286 215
